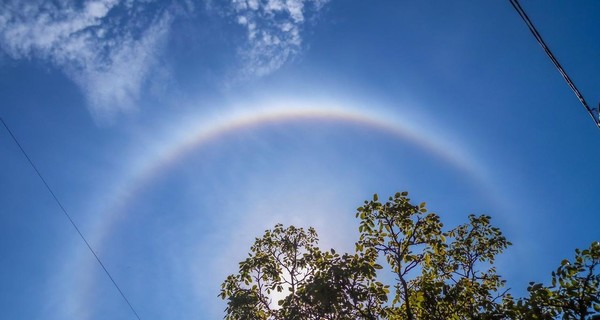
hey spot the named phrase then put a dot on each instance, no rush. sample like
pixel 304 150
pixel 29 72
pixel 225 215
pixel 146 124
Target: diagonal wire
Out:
pixel 592 112
pixel 62 208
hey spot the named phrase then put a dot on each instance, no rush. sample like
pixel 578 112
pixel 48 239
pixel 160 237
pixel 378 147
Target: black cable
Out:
pixel 70 219
pixel 563 73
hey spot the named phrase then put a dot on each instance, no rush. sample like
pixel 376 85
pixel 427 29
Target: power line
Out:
pixel 592 112
pixel 62 208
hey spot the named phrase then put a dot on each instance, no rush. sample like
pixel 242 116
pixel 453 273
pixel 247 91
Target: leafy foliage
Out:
pixel 574 293
pixel 319 284
pixel 440 274
pixel 437 273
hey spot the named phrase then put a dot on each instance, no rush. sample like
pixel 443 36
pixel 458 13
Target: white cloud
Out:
pixel 107 47
pixel 110 48
pixel 274 29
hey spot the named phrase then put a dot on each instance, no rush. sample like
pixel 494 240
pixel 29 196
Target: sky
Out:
pixel 175 132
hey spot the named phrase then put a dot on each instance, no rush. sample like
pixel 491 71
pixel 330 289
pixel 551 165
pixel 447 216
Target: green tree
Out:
pixel 574 293
pixel 437 274
pixel 318 284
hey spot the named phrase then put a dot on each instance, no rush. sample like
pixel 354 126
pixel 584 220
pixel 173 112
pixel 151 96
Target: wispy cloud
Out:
pixel 274 31
pixel 107 47
pixel 111 48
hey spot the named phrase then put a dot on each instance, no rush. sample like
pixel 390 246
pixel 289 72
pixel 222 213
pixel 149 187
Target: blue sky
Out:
pixel 174 132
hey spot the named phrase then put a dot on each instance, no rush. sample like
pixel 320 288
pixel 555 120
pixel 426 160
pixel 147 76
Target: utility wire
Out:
pixel 62 208
pixel 592 112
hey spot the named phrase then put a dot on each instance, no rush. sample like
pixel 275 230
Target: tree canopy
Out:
pixel 406 266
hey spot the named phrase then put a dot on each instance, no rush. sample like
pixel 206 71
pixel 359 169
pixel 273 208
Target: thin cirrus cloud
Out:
pixel 274 30
pixel 107 47
pixel 111 48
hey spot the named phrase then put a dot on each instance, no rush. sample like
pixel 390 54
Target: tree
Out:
pixel 574 293
pixel 437 273
pixel 319 284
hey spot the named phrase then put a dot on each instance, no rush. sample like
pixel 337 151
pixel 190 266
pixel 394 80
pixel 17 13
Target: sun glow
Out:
pixel 192 133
